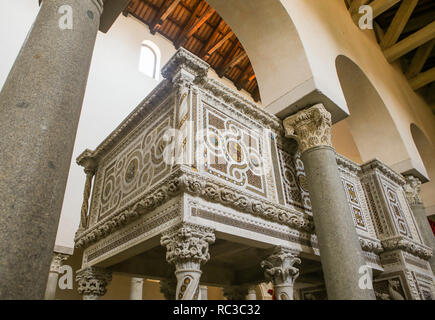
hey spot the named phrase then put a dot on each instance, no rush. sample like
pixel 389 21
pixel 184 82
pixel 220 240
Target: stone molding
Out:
pixel 246 107
pixel 371 245
pixel 348 164
pixel 199 186
pixel 188 242
pixel 384 169
pixel 279 267
pixel 310 127
pixel 57 260
pixel 183 59
pixel 92 281
pixel 401 243
pixel 412 189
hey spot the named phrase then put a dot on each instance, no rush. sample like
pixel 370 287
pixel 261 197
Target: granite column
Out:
pixel 412 191
pixel 341 255
pixel 40 106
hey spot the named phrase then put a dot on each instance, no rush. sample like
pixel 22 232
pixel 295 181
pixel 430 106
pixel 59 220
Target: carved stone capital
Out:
pixel 188 243
pixel 185 66
pixel 57 261
pixel 310 127
pixel 87 160
pixel 412 189
pixel 92 282
pixel 279 267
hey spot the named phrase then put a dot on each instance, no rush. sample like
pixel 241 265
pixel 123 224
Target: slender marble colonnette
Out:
pixel 40 106
pixel 340 250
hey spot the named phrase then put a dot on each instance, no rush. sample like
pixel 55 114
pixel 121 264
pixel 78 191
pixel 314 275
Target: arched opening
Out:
pixel 370 123
pixel 275 50
pixel 150 56
pixel 427 154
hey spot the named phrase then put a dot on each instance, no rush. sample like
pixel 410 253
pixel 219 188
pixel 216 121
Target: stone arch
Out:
pixel 427 153
pixel 370 123
pixel 274 47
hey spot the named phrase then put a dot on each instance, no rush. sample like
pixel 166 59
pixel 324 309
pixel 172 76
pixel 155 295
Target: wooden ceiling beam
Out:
pixel 243 78
pixel 378 6
pixel 356 4
pixel 219 44
pixel 420 59
pixel 410 43
pixel 200 22
pixel 165 10
pixel 399 22
pixel 192 24
pixel 230 53
pixel 233 62
pixel 422 79
pixel 212 39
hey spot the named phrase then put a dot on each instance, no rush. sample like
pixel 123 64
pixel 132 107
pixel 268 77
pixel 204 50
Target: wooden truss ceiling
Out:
pixel 197 27
pixel 405 30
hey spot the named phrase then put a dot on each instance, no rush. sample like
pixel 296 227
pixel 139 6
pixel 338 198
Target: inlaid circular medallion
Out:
pixel 131 171
pixel 235 151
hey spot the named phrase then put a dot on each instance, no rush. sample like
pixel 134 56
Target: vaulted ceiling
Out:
pixel 405 30
pixel 197 27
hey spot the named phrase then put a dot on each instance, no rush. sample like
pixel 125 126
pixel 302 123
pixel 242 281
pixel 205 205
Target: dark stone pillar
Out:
pixel 340 250
pixel 40 106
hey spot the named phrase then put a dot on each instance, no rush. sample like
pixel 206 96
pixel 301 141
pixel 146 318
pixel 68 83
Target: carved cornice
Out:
pixel 184 60
pixel 371 245
pixel 384 169
pixel 93 281
pixel 188 242
pixel 279 267
pixel 87 160
pixel 412 189
pixel 401 243
pixel 348 164
pixel 229 96
pixel 310 127
pixel 182 181
pixel 212 191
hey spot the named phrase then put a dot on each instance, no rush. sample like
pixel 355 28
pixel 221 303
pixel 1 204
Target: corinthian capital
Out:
pixel 57 261
pixel 412 190
pixel 310 127
pixel 92 282
pixel 188 243
pixel 279 267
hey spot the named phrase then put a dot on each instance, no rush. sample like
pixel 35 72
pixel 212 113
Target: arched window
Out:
pixel 149 63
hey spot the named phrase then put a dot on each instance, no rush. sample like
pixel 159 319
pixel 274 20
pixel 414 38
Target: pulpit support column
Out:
pixel 187 248
pixel 279 268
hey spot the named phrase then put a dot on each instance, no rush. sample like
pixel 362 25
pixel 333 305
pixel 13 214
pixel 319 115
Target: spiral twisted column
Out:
pixel 187 248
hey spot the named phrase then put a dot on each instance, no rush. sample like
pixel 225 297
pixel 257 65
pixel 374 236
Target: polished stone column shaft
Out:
pixel 53 275
pixel 136 288
pixel 412 190
pixel 204 292
pixel 340 250
pixel 40 105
